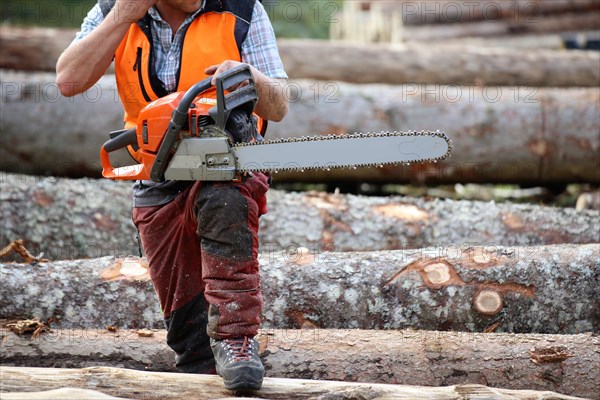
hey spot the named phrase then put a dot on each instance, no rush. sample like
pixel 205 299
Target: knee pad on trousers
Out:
pixel 222 213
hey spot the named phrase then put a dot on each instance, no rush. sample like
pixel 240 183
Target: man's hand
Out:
pixel 131 10
pixel 272 95
pixel 216 70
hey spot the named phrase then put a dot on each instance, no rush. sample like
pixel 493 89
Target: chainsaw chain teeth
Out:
pixel 267 142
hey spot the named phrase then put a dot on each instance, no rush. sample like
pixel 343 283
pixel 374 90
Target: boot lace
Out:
pixel 239 349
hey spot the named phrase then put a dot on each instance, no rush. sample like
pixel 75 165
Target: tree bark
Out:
pixel 379 63
pixel 151 385
pixel 526 41
pixel 62 219
pixel 568 22
pixel 33 49
pixel 550 41
pixel 500 134
pixel 569 364
pixel 48 134
pixel 550 289
pixel 437 64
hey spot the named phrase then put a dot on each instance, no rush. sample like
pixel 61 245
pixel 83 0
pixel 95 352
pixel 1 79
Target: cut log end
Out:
pixel 405 212
pixel 438 273
pixel 488 302
pixel 302 256
pixel 127 268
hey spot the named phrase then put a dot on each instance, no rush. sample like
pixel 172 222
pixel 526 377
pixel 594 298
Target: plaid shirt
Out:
pixel 259 49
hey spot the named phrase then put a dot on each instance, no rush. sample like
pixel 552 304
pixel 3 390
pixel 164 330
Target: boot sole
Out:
pixel 242 382
pixel 242 385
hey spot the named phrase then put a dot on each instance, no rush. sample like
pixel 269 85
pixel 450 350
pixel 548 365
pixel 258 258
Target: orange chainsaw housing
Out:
pixel 153 122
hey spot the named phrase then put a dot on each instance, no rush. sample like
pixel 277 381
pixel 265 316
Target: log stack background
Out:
pixel 383 290
pixel 525 116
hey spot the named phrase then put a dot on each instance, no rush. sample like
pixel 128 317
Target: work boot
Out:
pixel 238 363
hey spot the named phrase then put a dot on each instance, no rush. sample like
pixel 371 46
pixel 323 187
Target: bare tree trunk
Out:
pixel 68 219
pixel 567 22
pixel 437 64
pixel 522 289
pixel 566 364
pixel 33 49
pixel 48 134
pixel 62 219
pixel 356 223
pixel 527 41
pixel 378 63
pixel 151 385
pixel 501 134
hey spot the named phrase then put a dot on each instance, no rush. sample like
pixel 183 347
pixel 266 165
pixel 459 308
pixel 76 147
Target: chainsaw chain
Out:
pixel 267 142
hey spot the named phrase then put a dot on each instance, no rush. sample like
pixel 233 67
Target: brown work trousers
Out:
pixel 202 249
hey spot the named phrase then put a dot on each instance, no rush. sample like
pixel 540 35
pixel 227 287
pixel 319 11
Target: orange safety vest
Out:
pixel 215 35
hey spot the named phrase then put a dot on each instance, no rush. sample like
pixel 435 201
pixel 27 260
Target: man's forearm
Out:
pixel 272 97
pixel 83 63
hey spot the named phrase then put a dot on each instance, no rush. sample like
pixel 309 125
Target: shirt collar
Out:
pixel 153 12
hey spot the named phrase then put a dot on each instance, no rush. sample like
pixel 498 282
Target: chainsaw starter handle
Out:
pixel 121 139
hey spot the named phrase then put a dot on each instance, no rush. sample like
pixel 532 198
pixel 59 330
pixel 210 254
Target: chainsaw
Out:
pixel 185 136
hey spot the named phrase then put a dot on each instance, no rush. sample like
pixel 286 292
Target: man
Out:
pixel 200 238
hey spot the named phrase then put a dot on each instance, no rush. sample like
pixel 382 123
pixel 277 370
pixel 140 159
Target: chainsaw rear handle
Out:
pixel 119 140
pixel 224 80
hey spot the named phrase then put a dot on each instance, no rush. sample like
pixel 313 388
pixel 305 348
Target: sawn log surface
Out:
pixel 420 61
pixel 162 385
pixel 72 219
pixel 568 364
pixel 546 289
pixel 517 134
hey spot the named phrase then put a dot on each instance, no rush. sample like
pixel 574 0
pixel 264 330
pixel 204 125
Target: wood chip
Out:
pixel 548 354
pixel 492 328
pixel 145 333
pixel 34 326
pixel 17 246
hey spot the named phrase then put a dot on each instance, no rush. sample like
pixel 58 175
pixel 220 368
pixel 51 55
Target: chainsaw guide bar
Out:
pixel 216 159
pixel 355 150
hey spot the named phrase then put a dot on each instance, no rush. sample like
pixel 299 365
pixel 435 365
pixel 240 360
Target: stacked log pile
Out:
pixel 474 289
pixel 98 216
pixel 514 116
pixel 537 284
pixel 487 300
